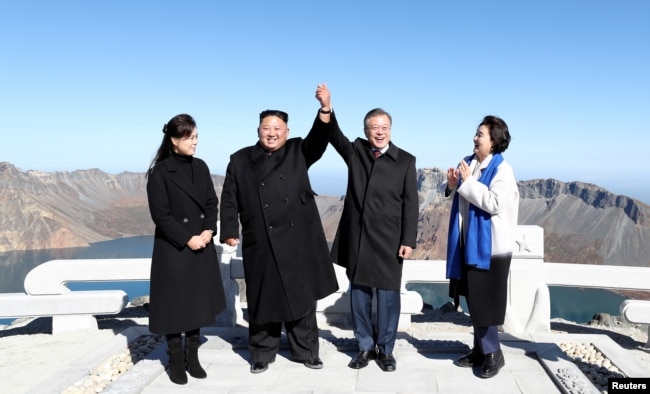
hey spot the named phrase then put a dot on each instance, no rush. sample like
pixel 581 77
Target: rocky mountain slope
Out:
pixel 583 223
pixel 40 210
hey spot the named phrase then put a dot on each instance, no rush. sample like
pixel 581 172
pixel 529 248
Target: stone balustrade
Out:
pixel 528 309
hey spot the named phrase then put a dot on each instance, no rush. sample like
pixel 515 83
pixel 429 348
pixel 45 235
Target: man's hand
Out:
pixel 323 97
pixel 405 251
pixel 232 241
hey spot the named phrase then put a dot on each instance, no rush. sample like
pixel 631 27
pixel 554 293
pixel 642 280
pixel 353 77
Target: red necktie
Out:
pixel 376 153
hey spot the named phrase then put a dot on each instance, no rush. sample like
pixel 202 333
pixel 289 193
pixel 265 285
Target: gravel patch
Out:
pixel 115 366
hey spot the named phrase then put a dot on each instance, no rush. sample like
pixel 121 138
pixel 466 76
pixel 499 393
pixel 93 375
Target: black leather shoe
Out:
pixel 259 366
pixel 471 359
pixel 493 363
pixel 315 363
pixel 387 362
pixel 362 358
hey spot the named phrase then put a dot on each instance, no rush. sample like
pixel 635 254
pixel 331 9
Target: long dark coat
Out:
pixel 287 265
pixel 186 288
pixel 380 212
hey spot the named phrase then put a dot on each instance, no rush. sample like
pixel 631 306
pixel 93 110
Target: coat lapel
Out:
pixel 265 163
pixel 393 151
pixel 184 183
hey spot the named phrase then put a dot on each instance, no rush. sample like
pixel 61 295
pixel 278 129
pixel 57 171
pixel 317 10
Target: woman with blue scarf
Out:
pixel 482 230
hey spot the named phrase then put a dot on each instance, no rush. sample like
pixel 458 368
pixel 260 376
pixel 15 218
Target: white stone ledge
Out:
pixel 51 277
pixel 636 311
pixel 95 302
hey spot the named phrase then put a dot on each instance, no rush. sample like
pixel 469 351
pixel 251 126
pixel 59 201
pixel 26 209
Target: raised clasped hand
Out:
pixel 323 95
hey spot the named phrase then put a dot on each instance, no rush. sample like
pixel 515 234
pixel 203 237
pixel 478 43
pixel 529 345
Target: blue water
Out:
pixel 571 303
pixel 133 288
pixel 574 304
pixel 15 265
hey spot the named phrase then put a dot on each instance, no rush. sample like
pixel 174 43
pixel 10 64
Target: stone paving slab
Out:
pixel 424 364
pixel 80 368
pixel 534 364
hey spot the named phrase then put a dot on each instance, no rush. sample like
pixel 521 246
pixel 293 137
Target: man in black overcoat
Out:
pixel 287 265
pixel 377 231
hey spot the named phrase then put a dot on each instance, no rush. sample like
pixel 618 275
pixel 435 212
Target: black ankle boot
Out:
pixel 192 356
pixel 176 361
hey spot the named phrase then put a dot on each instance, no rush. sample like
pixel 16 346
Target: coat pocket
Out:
pixel 307 196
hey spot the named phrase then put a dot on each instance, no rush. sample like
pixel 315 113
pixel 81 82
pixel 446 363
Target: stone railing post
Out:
pixel 529 302
pixel 233 312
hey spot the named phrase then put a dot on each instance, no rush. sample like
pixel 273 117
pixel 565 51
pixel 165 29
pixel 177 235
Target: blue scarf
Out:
pixel 478 242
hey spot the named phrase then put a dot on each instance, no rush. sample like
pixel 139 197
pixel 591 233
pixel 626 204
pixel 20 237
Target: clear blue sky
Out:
pixel 89 84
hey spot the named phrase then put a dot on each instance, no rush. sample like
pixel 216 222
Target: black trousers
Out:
pixel 302 335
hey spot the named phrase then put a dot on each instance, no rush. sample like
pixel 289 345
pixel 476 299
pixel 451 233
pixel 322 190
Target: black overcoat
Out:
pixel 186 288
pixel 380 212
pixel 287 265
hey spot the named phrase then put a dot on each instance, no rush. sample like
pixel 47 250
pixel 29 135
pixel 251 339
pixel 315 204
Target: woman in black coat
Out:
pixel 186 288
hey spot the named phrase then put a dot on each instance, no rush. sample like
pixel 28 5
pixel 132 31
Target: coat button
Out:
pixel 262 184
pixel 185 220
pixel 286 200
pixel 283 177
pixel 202 216
pixel 266 206
pixel 270 228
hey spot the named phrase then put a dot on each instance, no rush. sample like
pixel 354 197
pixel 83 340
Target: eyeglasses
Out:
pixel 376 128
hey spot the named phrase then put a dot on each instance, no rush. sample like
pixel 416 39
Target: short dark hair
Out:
pixel 274 112
pixel 498 133
pixel 373 113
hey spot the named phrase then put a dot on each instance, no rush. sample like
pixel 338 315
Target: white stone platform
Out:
pixel 534 364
